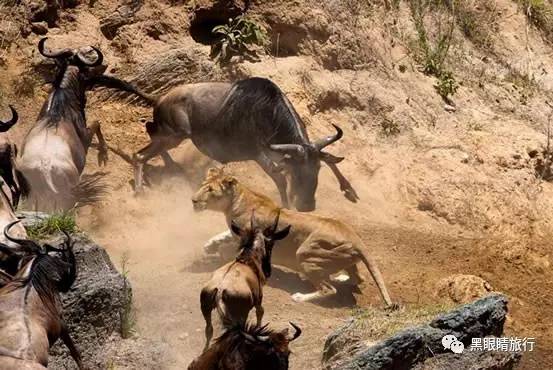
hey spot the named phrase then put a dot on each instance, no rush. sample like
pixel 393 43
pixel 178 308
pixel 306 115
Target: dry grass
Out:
pixel 374 324
pixel 478 21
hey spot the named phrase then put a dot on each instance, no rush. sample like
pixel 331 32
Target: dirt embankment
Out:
pixel 444 189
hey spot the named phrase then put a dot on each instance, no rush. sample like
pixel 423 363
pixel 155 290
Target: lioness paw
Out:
pixel 298 297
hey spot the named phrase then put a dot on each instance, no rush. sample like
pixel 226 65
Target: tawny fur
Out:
pixel 317 246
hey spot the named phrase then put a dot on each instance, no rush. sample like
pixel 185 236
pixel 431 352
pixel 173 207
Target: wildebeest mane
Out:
pixel 247 256
pixel 259 104
pixel 66 102
pixel 45 271
pixel 234 334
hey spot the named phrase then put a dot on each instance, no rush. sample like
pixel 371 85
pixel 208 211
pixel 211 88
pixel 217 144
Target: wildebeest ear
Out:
pixel 281 234
pixel 235 228
pixel 329 158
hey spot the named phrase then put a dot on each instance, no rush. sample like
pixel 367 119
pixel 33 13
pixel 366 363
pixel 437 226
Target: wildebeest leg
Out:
pixel 66 338
pixel 207 303
pixel 345 185
pixel 94 129
pixel 259 311
pixel 140 158
pixel 271 169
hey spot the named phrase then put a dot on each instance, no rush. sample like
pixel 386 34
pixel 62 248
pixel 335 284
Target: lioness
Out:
pixel 316 246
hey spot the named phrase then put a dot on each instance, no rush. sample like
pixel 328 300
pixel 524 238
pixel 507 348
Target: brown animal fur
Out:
pixel 237 287
pixel 317 246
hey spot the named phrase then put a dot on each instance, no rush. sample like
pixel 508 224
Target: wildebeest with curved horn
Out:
pixel 54 151
pixel 250 119
pixel 8 152
pixel 249 347
pixel 30 307
pixel 237 287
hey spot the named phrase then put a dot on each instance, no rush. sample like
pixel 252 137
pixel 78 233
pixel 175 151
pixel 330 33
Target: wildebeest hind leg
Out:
pixel 140 158
pixel 94 129
pixel 207 303
pixel 259 311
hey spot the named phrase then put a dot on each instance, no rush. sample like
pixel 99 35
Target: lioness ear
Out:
pixel 229 181
pixel 281 234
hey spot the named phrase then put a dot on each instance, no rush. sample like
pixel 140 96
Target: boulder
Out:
pixel 345 349
pixel 94 308
pixel 463 288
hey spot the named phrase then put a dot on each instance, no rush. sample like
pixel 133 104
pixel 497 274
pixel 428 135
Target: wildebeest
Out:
pixel 54 151
pixel 8 152
pixel 249 347
pixel 237 287
pixel 319 247
pixel 30 307
pixel 250 119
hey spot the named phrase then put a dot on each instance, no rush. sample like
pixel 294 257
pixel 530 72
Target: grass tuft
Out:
pixel 53 224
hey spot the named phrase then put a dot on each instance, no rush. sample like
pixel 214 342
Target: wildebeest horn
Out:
pixel 64 53
pixel 97 62
pixel 321 143
pixel 252 220
pixel 275 224
pixel 292 149
pixel 5 126
pixel 297 333
pixel 29 245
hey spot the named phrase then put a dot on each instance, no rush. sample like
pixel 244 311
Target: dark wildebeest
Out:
pixel 30 306
pixel 54 151
pixel 248 348
pixel 8 152
pixel 236 287
pixel 250 119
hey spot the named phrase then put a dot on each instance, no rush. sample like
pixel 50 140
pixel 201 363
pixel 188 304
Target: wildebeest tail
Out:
pixel 91 189
pixel 116 83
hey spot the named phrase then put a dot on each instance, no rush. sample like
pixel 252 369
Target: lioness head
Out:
pixel 216 191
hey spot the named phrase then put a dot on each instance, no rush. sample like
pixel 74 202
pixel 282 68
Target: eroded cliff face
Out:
pixel 448 186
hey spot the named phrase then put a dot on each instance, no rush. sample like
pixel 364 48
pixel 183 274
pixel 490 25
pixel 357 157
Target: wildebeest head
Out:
pixel 58 263
pixel 87 60
pixel 248 348
pixel 302 163
pixel 260 241
pixel 5 126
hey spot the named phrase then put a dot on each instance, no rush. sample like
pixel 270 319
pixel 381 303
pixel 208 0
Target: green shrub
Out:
pixel 446 85
pixel 235 39
pixel 53 224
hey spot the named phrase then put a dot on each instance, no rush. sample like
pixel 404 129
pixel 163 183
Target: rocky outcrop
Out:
pixel 462 288
pixel 413 346
pixel 95 308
